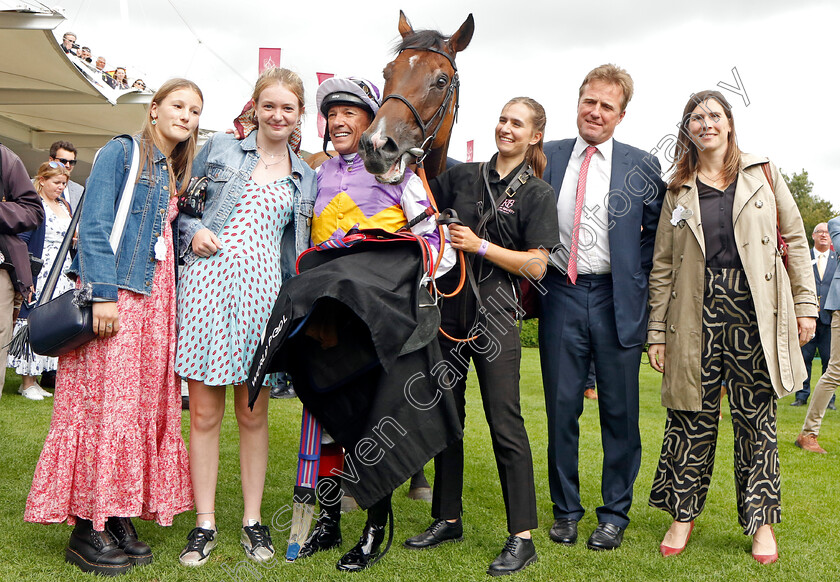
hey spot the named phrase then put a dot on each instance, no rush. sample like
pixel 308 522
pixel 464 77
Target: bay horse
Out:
pixel 420 104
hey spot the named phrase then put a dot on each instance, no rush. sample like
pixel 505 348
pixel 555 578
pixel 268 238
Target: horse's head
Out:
pixel 421 98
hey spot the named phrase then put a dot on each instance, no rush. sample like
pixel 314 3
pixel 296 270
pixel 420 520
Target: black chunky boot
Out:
pixel 95 551
pixel 123 531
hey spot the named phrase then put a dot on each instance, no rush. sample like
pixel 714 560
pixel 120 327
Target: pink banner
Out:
pixel 269 57
pixel 469 151
pixel 322 123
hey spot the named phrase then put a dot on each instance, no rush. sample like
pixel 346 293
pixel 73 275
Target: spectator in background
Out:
pixel 68 43
pixel 824 261
pixel 44 242
pixel 64 153
pixel 84 54
pixel 139 84
pixel 120 79
pixel 20 211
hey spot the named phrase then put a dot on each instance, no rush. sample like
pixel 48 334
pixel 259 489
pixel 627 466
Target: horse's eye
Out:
pixel 442 81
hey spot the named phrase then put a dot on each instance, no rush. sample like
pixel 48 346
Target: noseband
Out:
pixel 440 114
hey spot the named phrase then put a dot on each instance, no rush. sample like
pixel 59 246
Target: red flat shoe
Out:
pixel 669 551
pixel 768 558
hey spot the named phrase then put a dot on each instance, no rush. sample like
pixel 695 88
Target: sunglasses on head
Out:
pixel 65 162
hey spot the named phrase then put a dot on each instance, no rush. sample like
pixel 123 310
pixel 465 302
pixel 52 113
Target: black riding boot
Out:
pixel 327 532
pixel 365 552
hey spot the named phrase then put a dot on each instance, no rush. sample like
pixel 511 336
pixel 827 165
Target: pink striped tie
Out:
pixel 580 196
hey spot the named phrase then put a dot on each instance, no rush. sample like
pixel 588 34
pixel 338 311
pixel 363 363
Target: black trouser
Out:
pixel 496 354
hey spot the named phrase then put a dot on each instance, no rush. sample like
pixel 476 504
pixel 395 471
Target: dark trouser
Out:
pixel 578 325
pixel 732 354
pixel 821 343
pixel 496 356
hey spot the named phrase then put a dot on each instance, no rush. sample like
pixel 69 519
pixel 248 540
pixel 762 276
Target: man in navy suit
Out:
pixel 594 302
pixel 825 263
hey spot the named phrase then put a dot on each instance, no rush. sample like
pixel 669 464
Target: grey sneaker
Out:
pixel 256 541
pixel 201 541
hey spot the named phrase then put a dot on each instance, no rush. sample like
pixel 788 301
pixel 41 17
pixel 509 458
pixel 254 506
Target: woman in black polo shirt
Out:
pixel 509 226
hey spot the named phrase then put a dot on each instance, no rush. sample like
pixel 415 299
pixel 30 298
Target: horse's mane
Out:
pixel 421 39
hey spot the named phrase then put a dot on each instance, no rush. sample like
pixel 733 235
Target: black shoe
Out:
pixel 798 402
pixel 325 536
pixel 47 379
pixel 95 551
pixel 564 531
pixel 123 531
pixel 365 551
pixel 441 531
pixel 516 555
pixel 607 536
pixel 831 406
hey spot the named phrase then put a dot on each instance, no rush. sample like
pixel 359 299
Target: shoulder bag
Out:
pixel 61 325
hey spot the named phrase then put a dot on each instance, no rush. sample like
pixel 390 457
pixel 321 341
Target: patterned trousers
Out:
pixel 731 355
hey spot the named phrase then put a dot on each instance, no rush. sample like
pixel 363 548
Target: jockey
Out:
pixel 350 197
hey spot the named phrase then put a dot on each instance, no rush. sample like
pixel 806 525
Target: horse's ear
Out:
pixel 461 39
pixel 404 26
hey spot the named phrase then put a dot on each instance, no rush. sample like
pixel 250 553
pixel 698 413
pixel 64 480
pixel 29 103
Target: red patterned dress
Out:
pixel 114 447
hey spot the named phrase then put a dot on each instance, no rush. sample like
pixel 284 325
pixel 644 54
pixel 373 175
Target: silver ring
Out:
pixel 109 325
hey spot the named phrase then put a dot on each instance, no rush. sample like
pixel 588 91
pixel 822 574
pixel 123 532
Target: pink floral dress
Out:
pixel 114 447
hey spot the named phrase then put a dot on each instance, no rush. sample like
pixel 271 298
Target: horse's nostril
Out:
pixel 389 147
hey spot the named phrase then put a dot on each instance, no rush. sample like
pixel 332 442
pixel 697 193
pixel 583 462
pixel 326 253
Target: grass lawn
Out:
pixel 808 536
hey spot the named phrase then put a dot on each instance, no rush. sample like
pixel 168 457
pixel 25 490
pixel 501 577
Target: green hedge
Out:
pixel 528 336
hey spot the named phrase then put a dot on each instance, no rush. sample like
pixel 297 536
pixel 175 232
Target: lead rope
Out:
pixel 462 260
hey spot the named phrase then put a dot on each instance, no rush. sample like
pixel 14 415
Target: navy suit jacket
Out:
pixel 635 201
pixel 824 284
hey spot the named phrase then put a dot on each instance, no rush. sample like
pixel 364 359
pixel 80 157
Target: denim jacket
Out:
pixel 133 267
pixel 228 164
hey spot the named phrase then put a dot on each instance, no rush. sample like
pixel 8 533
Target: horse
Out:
pixel 415 120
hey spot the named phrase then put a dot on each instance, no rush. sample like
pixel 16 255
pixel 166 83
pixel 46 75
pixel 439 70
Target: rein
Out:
pixel 440 114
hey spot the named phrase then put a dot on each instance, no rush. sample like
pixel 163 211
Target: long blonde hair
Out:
pixel 182 155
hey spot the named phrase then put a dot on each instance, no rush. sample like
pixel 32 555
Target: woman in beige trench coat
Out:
pixel 725 310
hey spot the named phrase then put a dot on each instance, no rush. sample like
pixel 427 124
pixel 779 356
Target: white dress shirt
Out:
pixel 593 239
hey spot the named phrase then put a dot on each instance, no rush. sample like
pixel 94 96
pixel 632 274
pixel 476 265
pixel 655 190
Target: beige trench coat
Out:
pixel 780 296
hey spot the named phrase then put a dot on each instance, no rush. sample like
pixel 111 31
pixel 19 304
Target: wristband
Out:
pixel 485 244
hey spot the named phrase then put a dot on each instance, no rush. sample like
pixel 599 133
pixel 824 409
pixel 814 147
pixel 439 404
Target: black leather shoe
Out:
pixel 516 555
pixel 123 531
pixel 798 402
pixel 365 551
pixel 95 551
pixel 564 531
pixel 325 536
pixel 441 531
pixel 607 536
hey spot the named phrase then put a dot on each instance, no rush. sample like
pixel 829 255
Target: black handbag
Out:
pixel 60 325
pixel 191 200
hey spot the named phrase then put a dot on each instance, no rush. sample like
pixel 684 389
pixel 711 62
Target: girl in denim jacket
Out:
pixel 258 212
pixel 115 449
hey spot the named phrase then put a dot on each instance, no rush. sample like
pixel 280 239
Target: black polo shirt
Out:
pixel 528 218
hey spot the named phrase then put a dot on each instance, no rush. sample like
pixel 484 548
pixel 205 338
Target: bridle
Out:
pixel 440 114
